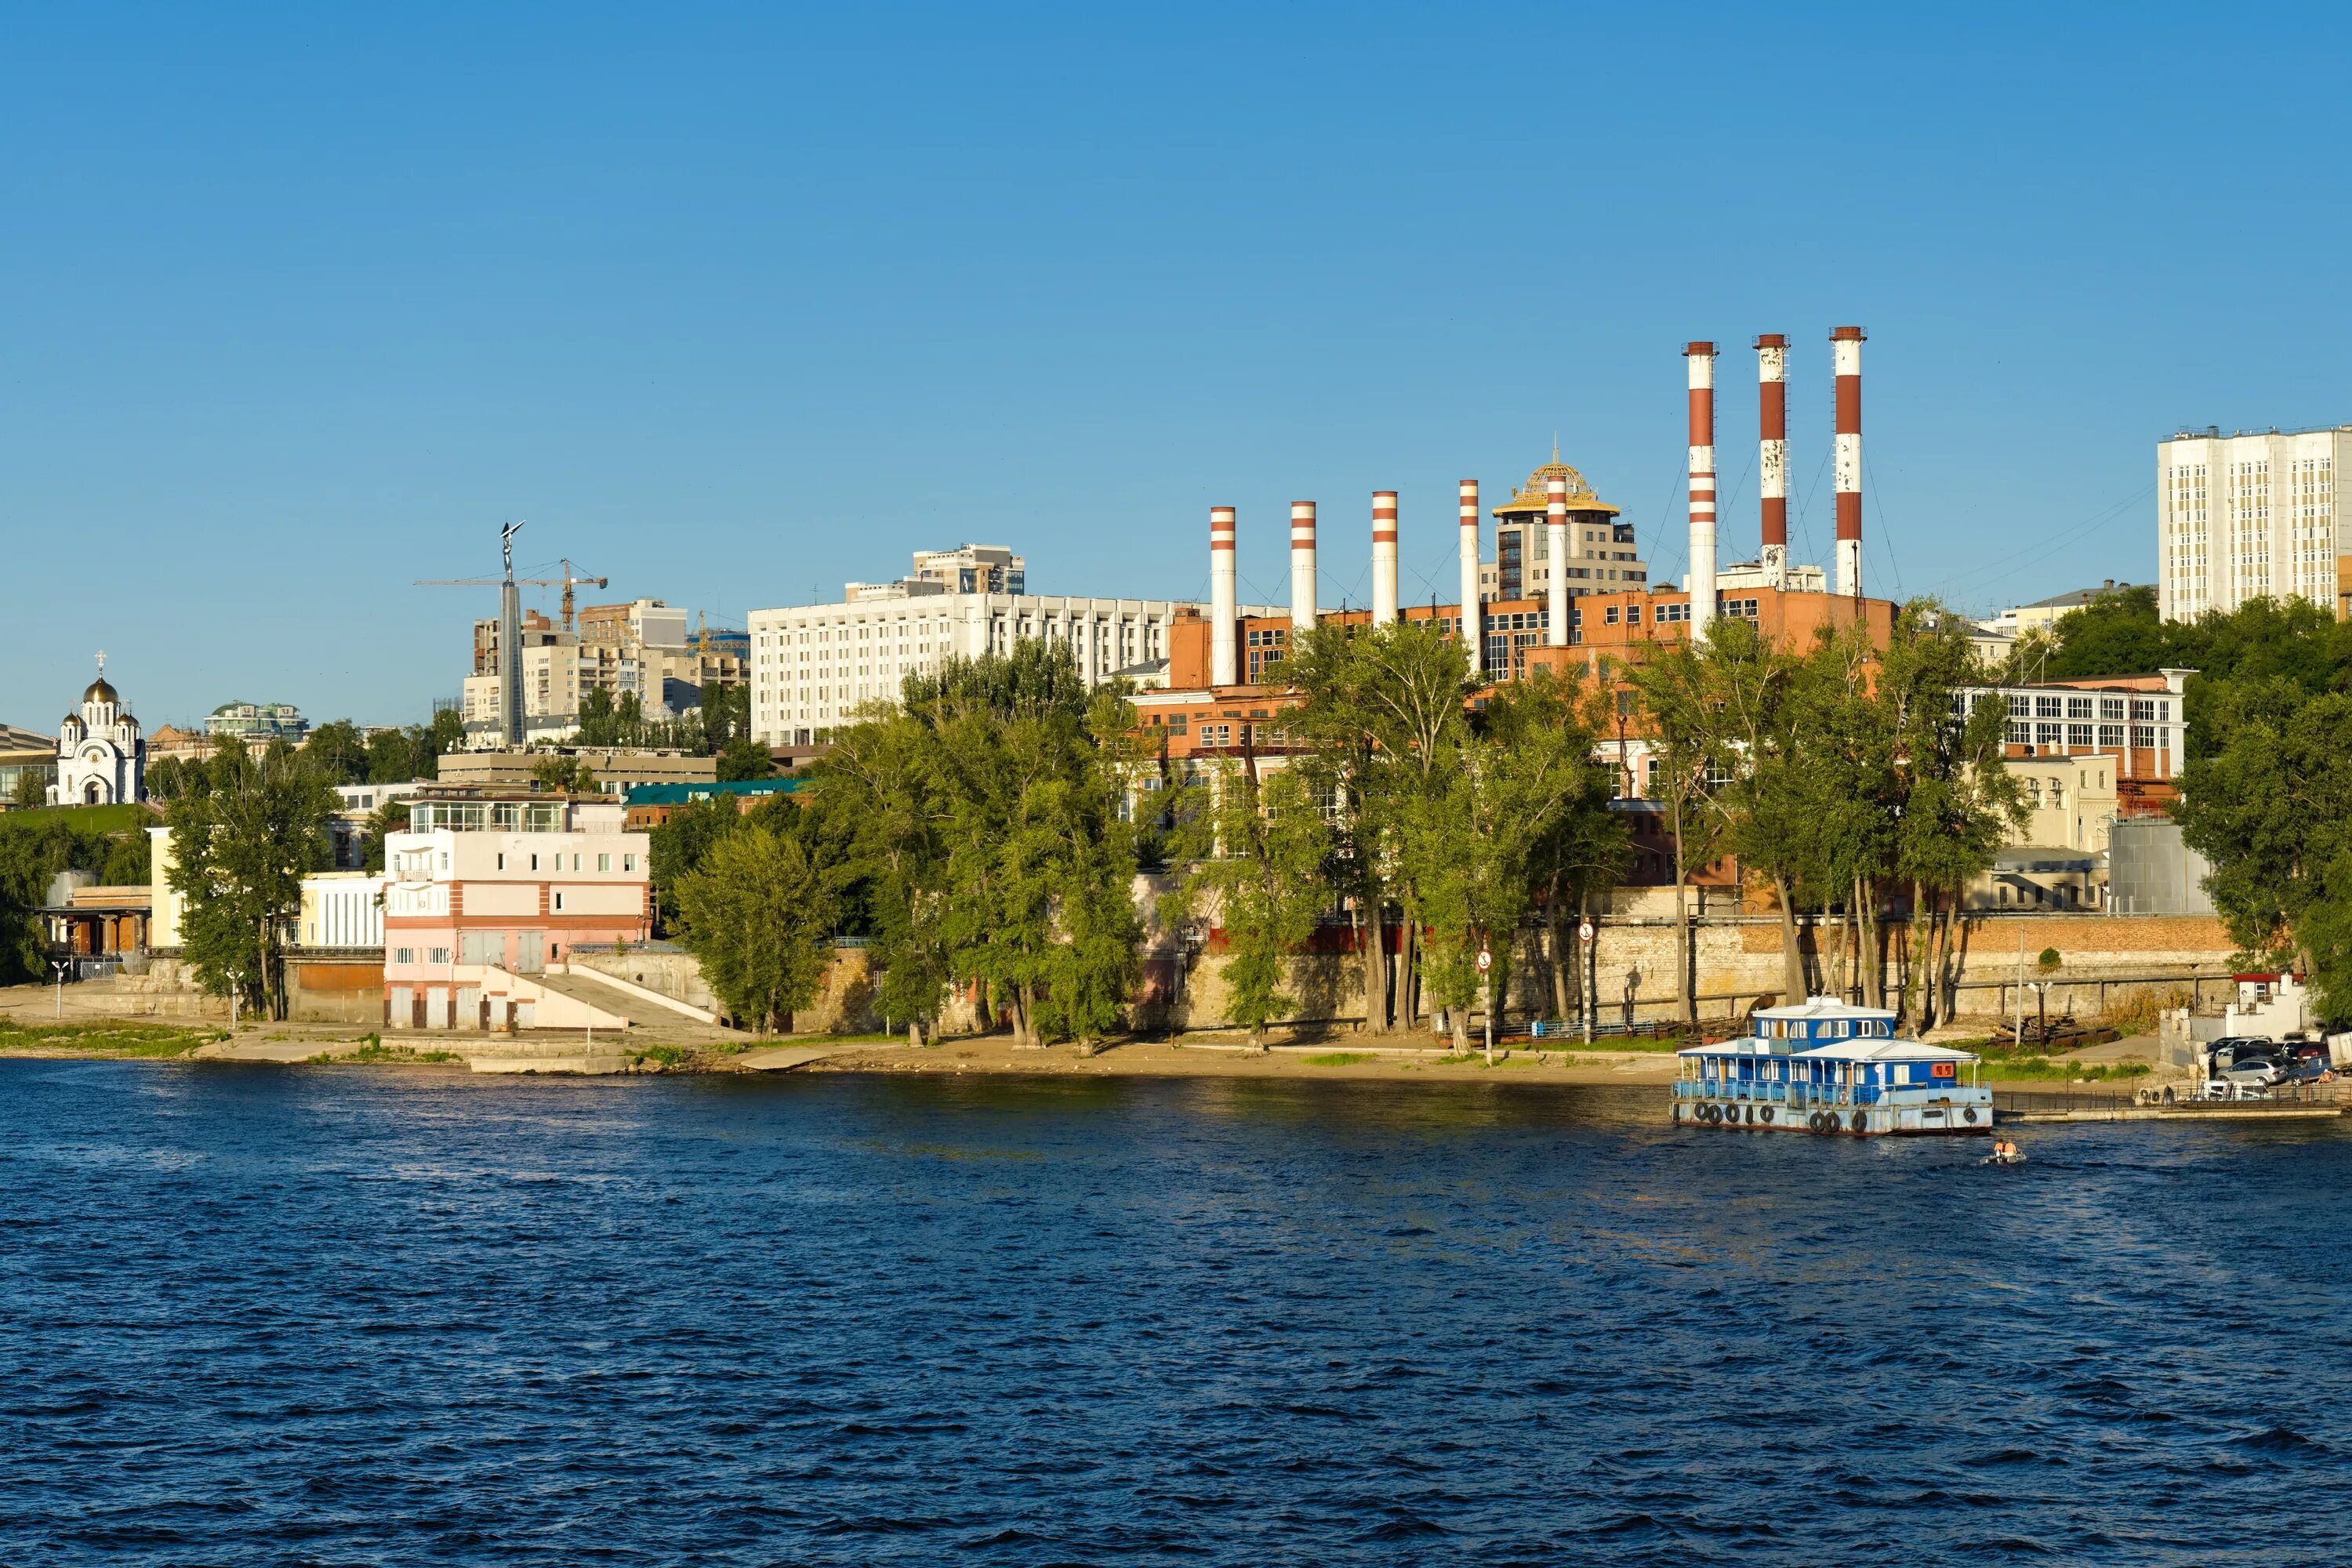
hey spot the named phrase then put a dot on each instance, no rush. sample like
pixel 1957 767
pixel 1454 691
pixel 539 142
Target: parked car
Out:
pixel 2232 1088
pixel 2225 1051
pixel 2261 1072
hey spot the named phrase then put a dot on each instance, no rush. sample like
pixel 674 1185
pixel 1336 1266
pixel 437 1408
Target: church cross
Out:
pixel 101 664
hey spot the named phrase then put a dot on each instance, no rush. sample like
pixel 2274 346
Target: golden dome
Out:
pixel 1535 495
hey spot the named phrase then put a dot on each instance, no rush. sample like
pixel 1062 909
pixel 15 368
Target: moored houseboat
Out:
pixel 1827 1067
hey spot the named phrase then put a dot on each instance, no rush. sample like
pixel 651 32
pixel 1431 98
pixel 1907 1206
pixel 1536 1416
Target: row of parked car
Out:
pixel 2248 1066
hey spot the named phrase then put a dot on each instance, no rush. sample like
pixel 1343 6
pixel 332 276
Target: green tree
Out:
pixel 744 758
pixel 1577 848
pixel 32 788
pixel 1384 718
pixel 242 843
pixel 876 805
pixel 1954 802
pixel 1671 688
pixel 562 774
pixel 757 914
pixel 678 847
pixel 1254 859
pixel 337 751
pixel 2272 809
pixel 166 777
pixel 1008 778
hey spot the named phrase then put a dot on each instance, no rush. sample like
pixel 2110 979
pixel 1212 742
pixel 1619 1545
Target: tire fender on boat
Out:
pixel 1860 1120
pixel 1768 1113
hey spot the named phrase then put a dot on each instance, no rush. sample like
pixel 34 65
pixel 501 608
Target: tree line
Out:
pixel 985 833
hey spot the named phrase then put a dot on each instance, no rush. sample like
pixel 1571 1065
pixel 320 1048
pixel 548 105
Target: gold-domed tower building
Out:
pixel 1601 558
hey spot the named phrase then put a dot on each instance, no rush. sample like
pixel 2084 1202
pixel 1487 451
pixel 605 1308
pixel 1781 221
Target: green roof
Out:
pixel 684 794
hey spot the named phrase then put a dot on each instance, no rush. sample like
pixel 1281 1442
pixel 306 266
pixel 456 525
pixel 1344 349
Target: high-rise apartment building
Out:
pixel 2248 516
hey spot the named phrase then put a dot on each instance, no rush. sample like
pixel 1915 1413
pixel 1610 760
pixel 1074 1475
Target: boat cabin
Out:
pixel 1827 1054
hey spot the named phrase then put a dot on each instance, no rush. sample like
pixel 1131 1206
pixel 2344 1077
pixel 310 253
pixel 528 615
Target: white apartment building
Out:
pixel 2248 516
pixel 814 666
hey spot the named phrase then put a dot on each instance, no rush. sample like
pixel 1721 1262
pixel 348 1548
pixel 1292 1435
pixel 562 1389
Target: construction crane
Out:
pixel 567 582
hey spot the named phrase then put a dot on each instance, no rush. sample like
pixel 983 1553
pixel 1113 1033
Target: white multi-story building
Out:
pixel 487 884
pixel 814 667
pixel 2248 516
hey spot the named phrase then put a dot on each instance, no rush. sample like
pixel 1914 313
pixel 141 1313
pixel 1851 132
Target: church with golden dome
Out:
pixel 101 752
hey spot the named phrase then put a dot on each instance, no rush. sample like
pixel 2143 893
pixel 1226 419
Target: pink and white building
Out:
pixel 488 887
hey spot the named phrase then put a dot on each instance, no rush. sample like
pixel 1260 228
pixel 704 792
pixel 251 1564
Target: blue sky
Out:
pixel 734 304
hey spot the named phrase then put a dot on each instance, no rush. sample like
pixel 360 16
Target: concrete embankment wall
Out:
pixel 2108 966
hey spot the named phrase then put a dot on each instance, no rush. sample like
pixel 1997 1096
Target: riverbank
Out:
pixel 1196 1057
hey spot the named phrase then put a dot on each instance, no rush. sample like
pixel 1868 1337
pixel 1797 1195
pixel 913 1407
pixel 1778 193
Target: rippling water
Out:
pixel 351 1317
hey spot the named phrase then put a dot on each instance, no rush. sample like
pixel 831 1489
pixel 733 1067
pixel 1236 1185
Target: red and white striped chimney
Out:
pixel 1473 626
pixel 1702 485
pixel 1385 557
pixel 1556 543
pixel 1772 453
pixel 1302 564
pixel 1845 346
pixel 1225 655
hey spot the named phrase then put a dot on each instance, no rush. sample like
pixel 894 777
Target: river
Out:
pixel 342 1316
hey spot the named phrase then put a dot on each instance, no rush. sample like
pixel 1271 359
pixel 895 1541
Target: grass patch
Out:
pixel 108 1038
pixel 1339 1059
pixel 121 818
pixel 374 1049
pixel 662 1055
pixel 2042 1069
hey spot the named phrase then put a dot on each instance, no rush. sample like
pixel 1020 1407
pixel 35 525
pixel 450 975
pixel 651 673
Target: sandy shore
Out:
pixel 1210 1058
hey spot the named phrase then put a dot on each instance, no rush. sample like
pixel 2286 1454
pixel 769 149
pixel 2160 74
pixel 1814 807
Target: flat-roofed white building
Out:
pixel 2248 516
pixel 814 667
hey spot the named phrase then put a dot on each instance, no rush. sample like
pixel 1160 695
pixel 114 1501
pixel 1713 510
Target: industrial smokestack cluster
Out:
pixel 1772 490
pixel 1772 465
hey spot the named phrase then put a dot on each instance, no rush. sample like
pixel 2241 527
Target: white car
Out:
pixel 2231 1088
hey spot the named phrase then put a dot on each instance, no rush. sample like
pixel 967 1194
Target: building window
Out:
pixel 559 900
pixel 628 862
pixel 604 862
pixel 2049 707
pixel 2048 734
pixel 502 862
pixel 534 862
pixel 2111 734
pixel 403 955
pixel 2144 736
pixel 436 955
pixel 2078 735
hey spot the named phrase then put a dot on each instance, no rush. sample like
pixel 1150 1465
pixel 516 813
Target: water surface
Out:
pixel 318 1317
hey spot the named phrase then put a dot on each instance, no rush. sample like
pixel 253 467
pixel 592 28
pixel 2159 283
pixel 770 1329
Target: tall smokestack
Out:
pixel 1556 541
pixel 1845 346
pixel 1385 557
pixel 1473 629
pixel 1302 564
pixel 1225 658
pixel 1772 453
pixel 1702 486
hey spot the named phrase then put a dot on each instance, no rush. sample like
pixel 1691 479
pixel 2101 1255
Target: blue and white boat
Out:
pixel 1826 1067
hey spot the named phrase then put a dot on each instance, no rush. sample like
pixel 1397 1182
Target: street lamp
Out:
pixel 61 965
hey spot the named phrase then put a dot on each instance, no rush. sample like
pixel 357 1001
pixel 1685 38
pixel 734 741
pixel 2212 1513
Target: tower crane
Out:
pixel 567 582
